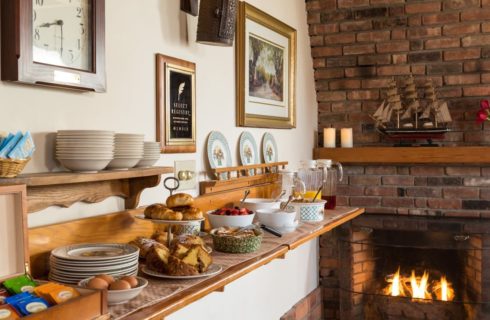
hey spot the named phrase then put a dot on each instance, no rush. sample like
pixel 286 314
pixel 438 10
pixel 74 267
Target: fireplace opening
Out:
pixel 402 272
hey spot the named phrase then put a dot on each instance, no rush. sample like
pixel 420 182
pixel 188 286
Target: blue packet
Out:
pixel 10 145
pixel 32 304
pixel 13 300
pixel 6 140
pixel 24 148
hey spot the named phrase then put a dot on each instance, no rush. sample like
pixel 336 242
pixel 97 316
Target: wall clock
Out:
pixel 57 43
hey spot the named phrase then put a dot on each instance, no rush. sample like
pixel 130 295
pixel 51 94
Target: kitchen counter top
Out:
pixel 163 296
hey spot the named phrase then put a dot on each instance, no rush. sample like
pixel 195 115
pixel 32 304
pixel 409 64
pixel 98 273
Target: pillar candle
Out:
pixel 329 138
pixel 346 138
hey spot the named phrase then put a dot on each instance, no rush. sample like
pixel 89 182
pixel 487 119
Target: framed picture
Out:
pixel 266 64
pixel 176 105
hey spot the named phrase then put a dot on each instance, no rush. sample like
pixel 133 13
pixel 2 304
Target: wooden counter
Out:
pixel 163 297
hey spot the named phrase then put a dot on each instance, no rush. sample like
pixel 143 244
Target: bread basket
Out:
pixel 10 168
pixel 233 244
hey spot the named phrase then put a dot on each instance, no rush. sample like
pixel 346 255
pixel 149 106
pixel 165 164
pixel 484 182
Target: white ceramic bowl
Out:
pixel 84 164
pixel 230 221
pixel 143 163
pixel 83 151
pixel 276 218
pixel 120 296
pixel 308 211
pixel 255 204
pixel 123 163
pixel 85 157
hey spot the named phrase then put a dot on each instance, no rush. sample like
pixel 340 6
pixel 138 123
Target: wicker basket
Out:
pixel 233 244
pixel 10 168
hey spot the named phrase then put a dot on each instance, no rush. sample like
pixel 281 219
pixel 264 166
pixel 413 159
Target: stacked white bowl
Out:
pixel 84 150
pixel 151 154
pixel 129 148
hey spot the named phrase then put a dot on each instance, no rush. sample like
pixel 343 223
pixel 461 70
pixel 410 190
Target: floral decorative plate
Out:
pixel 219 154
pixel 249 153
pixel 95 251
pixel 212 270
pixel 269 148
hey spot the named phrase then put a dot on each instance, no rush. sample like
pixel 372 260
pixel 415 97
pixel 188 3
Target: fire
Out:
pixel 419 287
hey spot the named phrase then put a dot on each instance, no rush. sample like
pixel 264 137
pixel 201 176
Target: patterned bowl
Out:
pixel 233 244
pixel 308 211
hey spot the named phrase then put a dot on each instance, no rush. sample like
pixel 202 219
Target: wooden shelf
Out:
pixel 65 188
pixel 406 155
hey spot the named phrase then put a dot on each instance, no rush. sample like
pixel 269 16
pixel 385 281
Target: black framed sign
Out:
pixel 176 105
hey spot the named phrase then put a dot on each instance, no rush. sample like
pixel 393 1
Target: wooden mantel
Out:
pixel 406 155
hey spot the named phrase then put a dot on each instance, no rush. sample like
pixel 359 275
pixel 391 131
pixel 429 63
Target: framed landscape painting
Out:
pixel 266 63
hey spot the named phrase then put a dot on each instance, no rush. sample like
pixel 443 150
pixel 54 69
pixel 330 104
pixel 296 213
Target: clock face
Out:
pixel 62 33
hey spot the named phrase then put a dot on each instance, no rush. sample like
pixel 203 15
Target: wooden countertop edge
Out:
pixel 217 283
pixel 326 228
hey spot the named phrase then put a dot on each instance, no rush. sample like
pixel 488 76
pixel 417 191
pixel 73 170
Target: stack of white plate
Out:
pixel 151 154
pixel 84 150
pixel 73 263
pixel 129 148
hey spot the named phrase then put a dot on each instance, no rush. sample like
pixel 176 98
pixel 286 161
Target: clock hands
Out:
pixel 55 23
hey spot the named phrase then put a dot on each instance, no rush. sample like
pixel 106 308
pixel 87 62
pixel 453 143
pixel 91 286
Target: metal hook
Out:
pixel 169 188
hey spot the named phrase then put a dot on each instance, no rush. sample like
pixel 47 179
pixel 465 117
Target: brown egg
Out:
pixel 132 280
pixel 119 285
pixel 97 283
pixel 107 278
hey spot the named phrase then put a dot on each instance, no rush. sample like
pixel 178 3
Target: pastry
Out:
pixel 167 214
pixel 188 240
pixel 160 236
pixel 151 209
pixel 177 267
pixel 180 200
pixel 192 213
pixel 158 258
pixel 144 244
pixel 194 261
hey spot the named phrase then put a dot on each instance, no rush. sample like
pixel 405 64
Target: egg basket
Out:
pixel 10 168
pixel 231 244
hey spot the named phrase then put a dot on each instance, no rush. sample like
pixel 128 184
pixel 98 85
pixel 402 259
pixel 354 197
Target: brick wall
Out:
pixel 359 45
pixel 309 308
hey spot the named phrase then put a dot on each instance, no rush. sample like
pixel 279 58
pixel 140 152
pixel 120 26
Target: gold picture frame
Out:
pixel 265 79
pixel 176 104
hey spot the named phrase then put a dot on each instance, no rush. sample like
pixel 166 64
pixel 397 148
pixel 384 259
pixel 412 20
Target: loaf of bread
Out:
pixel 192 213
pixel 187 240
pixel 180 200
pixel 157 258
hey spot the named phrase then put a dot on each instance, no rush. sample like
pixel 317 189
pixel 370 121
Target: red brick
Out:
pixel 326 51
pixel 451 93
pixel 345 84
pixel 356 25
pixel 398 180
pixel 461 193
pixel 393 70
pixel 444 203
pixel 459 29
pixel 462 54
pixel 476 40
pixel 375 83
pixel 378 59
pixel 485 27
pixel 398 202
pixel 346 106
pixel 485 78
pixel 475 15
pixel 390 2
pixel 393 46
pixel 485 194
pixel 485 3
pixel 329 73
pixel 364 201
pixel 398 34
pixel 319 63
pixel 460 4
pixel 316 313
pixel 423 7
pixel 326 28
pixel 427 171
pixel 313 17
pixel 400 58
pixel 476 92
pixel 363 95
pixel 373 36
pixel 462 79
pixel 316 41
pixel 302 309
pixel 442 43
pixel 329 262
pixel 340 38
pixel 360 71
pixel 359 49
pixel 381 170
pixel 463 171
pixel 441 18
pixel 418 70
pixel 352 3
pixel 331 96
pixel 424 32
pixel 381 191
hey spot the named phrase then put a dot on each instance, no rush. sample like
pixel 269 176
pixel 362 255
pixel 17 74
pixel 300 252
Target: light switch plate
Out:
pixel 189 166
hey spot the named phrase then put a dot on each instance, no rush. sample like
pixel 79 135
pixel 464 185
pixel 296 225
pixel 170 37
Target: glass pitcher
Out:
pixel 312 178
pixel 332 174
pixel 291 184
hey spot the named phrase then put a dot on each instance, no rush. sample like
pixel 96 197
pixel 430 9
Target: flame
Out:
pixel 418 287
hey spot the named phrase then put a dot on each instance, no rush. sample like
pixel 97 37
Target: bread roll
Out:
pixel 152 209
pixel 192 213
pixel 167 214
pixel 180 200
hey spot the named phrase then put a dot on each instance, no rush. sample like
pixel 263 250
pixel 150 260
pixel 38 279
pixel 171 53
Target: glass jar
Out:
pixel 312 178
pixel 332 173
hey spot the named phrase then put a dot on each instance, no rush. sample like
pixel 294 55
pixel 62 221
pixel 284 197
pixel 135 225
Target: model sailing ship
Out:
pixel 407 119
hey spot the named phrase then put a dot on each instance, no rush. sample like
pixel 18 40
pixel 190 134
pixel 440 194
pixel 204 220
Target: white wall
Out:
pixel 135 31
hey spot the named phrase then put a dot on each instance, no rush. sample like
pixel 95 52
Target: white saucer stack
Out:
pixel 70 264
pixel 84 150
pixel 151 154
pixel 129 148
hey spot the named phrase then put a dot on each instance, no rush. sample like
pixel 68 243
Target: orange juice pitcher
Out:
pixel 312 178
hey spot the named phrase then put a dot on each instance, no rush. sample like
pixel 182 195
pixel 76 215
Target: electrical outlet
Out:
pixel 185 171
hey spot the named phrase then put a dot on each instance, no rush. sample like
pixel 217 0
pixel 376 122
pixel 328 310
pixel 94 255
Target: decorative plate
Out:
pixel 212 270
pixel 219 154
pixel 269 148
pixel 173 222
pixel 249 153
pixel 95 251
